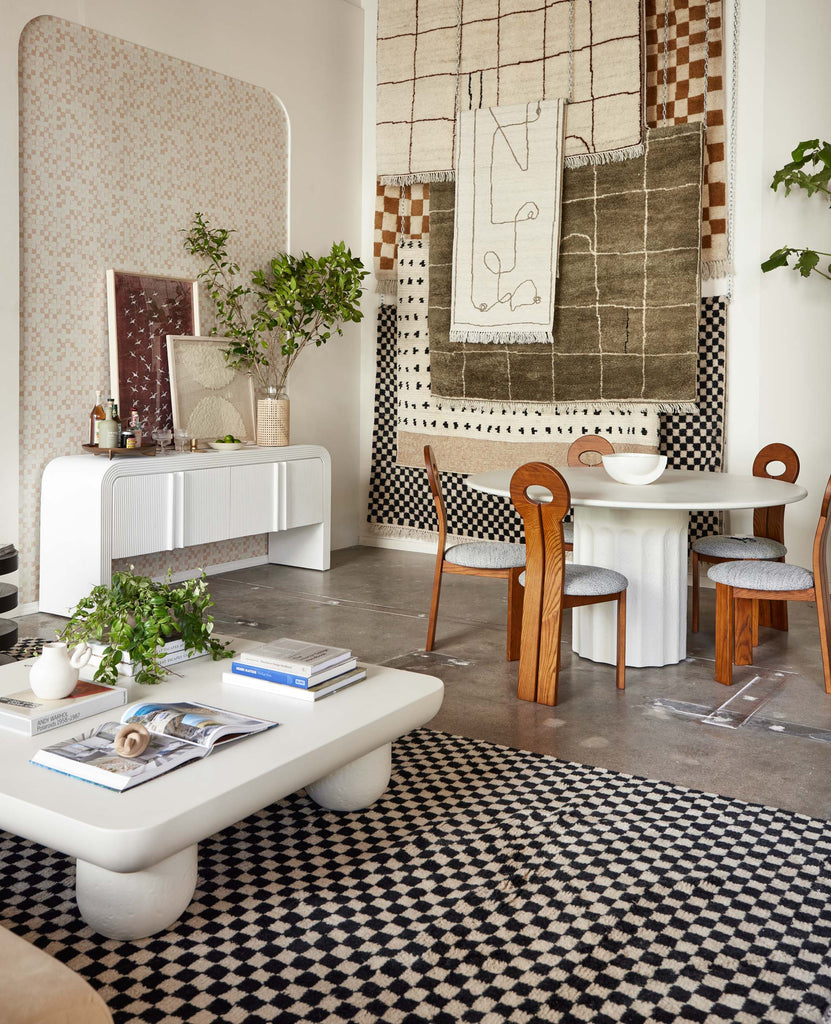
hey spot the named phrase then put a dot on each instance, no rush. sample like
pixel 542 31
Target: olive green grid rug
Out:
pixel 627 307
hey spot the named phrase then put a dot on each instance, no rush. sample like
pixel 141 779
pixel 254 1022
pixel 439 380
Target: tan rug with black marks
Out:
pixel 626 321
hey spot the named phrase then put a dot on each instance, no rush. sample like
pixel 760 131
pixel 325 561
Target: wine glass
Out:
pixel 162 439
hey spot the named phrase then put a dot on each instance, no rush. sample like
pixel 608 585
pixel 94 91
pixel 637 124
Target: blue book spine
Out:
pixel 270 675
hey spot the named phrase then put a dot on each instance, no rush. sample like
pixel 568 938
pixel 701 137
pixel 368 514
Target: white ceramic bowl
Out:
pixel 225 446
pixel 634 467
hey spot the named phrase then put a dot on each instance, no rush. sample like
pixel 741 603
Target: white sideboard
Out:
pixel 94 510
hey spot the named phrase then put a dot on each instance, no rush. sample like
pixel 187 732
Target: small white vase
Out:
pixel 55 674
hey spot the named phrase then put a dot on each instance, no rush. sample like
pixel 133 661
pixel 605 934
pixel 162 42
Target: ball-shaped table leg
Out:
pixel 356 785
pixel 136 904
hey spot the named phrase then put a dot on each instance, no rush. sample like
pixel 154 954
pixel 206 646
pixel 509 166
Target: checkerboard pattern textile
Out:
pixel 27 648
pixel 692 89
pixel 438 57
pixel 696 440
pixel 400 212
pixel 400 503
pixel 487 885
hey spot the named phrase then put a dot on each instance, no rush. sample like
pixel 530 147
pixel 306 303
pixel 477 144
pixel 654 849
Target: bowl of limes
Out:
pixel 229 443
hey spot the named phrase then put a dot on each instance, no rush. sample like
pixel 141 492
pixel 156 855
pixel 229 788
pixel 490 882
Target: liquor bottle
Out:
pixel 108 429
pixel 95 418
pixel 135 424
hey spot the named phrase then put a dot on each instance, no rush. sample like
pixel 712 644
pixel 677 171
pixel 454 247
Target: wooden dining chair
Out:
pixel 766 544
pixel 551 585
pixel 578 454
pixel 492 558
pixel 740 585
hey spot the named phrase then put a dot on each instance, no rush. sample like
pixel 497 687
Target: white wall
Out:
pixel 780 324
pixel 310 54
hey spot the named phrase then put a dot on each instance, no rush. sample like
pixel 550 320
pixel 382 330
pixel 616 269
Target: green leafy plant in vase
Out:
pixel 810 170
pixel 135 616
pixel 294 302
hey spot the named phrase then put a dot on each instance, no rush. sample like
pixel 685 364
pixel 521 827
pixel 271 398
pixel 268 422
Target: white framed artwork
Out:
pixel 143 309
pixel 210 399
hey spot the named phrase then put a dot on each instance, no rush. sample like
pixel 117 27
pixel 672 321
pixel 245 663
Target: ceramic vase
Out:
pixel 273 419
pixel 55 673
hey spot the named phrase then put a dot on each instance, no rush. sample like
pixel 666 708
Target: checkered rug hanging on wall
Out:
pixel 487 885
pixel 400 503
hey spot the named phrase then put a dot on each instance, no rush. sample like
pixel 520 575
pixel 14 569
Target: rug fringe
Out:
pixel 506 337
pixel 712 269
pixel 418 178
pixel 410 532
pixel 612 156
pixel 386 286
pixel 461 405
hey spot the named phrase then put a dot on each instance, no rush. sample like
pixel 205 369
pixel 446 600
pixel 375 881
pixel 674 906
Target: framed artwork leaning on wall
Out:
pixel 209 398
pixel 143 310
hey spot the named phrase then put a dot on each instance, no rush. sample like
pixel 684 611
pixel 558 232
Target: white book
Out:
pixel 296 656
pixel 170 647
pixel 25 713
pixel 129 668
pixel 312 694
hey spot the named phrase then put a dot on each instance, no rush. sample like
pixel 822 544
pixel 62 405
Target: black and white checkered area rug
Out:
pixel 487 885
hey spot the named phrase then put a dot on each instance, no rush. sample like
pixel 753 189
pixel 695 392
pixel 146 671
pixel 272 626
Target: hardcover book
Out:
pixel 311 693
pixel 297 656
pixel 272 675
pixel 25 713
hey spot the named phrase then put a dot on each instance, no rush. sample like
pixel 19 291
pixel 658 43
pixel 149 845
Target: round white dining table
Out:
pixel 641 531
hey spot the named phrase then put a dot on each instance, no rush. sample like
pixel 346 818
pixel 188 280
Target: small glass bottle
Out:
pixel 116 417
pixel 135 426
pixel 96 415
pixel 108 429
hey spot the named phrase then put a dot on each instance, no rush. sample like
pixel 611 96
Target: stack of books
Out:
pixel 294 668
pixel 25 713
pixel 173 654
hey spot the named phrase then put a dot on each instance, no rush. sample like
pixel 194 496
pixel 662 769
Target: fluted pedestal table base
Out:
pixel 649 546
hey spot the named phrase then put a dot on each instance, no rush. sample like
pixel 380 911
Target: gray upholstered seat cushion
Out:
pixel 728 546
pixel 762 575
pixel 568 533
pixel 589 581
pixel 487 554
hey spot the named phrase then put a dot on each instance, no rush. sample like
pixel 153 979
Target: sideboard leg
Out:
pixel 135 904
pixel 356 785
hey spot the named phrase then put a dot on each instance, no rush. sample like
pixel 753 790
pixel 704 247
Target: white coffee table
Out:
pixel 137 851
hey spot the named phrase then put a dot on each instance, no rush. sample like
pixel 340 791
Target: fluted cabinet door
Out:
pixel 253 500
pixel 205 506
pixel 143 515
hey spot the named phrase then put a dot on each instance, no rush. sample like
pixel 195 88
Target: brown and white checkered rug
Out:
pixel 488 885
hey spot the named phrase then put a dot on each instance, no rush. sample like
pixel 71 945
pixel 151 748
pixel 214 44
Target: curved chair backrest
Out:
pixel 770 522
pixel 545 553
pixel 435 487
pixel 590 444
pixel 820 559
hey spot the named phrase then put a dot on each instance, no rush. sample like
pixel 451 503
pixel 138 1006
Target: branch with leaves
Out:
pixel 293 302
pixel 798 174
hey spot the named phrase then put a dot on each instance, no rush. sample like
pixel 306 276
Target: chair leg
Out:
pixel 824 617
pixel 434 608
pixel 620 672
pixel 774 613
pixel 695 591
pixel 756 613
pixel 724 634
pixel 516 600
pixel 548 673
pixel 743 631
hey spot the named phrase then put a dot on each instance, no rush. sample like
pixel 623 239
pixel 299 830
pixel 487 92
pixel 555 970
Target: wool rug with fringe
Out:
pixel 626 311
pixel 487 885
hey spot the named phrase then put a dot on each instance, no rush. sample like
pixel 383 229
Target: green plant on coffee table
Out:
pixel 296 300
pixel 136 616
pixel 817 181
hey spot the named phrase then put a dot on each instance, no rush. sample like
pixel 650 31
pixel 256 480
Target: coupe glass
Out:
pixel 162 439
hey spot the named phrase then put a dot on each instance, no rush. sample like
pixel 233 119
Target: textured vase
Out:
pixel 273 420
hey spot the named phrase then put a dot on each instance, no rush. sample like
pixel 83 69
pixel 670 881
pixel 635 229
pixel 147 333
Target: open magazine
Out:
pixel 179 733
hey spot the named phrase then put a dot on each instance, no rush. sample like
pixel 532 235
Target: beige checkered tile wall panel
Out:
pixel 119 146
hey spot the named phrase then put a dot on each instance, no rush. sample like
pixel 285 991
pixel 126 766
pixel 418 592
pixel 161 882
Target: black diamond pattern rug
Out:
pixel 487 885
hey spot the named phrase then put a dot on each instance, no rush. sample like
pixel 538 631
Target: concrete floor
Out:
pixel 376 601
